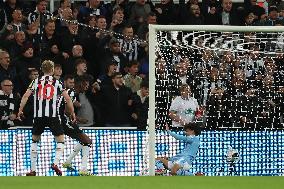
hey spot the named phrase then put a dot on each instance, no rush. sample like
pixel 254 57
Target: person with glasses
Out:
pixel 8 104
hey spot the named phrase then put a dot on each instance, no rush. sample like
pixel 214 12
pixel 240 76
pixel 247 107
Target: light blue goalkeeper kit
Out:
pixel 188 154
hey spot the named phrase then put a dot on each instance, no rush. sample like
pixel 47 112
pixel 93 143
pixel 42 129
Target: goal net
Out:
pixel 236 75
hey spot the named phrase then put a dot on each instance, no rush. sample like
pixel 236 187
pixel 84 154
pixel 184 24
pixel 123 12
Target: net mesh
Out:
pixel 232 75
pixel 237 79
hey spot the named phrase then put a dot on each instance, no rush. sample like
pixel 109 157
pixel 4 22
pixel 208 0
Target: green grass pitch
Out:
pixel 141 182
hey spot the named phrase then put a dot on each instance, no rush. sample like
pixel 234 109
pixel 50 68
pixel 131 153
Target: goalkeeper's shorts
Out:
pixel 185 164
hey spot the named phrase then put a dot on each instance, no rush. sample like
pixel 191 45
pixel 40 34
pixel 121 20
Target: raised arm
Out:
pixel 179 137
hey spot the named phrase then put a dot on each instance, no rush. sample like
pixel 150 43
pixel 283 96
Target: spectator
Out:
pixel 102 36
pixel 166 12
pixel 81 67
pixel 26 62
pixel 58 72
pixel 113 54
pixel 139 13
pixel 272 17
pixel 143 29
pixel 190 13
pixel 218 108
pixel 183 107
pixel 28 110
pixel 88 32
pixel 7 70
pixel 41 13
pixel 95 8
pixel 118 20
pixel 132 80
pixel 251 6
pixel 129 46
pixel 227 16
pixel 31 75
pixel 181 76
pixel 125 5
pixel 70 65
pixel 140 106
pixel 17 21
pixel 269 109
pixel 247 113
pixel 63 5
pixel 9 104
pixel 204 85
pixel 9 7
pixel 86 110
pixel 106 79
pixel 44 42
pixel 62 24
pixel 196 18
pixel 69 38
pixel 14 46
pixel 116 102
pixel 96 45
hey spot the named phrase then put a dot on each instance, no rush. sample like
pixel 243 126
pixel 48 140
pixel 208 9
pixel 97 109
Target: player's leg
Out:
pixel 175 168
pixel 57 131
pixel 161 164
pixel 38 128
pixel 84 143
pixel 33 154
pixel 87 142
pixel 69 131
pixel 165 161
pixel 67 164
pixel 180 168
pixel 58 154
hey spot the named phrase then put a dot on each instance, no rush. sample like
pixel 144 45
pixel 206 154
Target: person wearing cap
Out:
pixel 181 163
pixel 113 54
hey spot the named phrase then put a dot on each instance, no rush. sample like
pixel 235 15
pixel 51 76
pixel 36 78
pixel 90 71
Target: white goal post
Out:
pixel 152 50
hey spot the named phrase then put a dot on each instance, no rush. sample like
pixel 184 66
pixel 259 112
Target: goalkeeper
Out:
pixel 182 162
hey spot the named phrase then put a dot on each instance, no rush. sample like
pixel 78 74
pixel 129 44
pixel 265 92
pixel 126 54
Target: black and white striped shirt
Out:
pixel 62 103
pixel 34 15
pixel 130 49
pixel 47 91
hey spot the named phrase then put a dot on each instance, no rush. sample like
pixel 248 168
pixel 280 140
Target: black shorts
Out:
pixel 71 130
pixel 53 123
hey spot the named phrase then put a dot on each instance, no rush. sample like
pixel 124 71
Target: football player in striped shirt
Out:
pixel 46 90
pixel 71 129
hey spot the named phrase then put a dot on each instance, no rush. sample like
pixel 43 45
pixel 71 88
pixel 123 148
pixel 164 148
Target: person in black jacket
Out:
pixel 116 102
pixel 226 16
pixel 140 106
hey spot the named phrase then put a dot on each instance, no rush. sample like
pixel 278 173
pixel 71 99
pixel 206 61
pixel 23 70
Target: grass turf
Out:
pixel 141 182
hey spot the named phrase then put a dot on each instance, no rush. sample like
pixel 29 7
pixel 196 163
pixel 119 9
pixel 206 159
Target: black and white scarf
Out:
pixel 7 106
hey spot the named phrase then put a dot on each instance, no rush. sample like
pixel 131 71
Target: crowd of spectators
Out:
pixel 112 55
